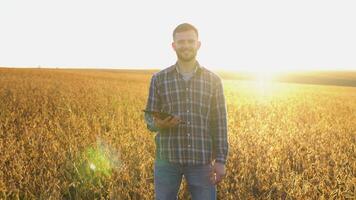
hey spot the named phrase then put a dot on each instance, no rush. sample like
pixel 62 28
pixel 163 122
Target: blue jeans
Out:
pixel 168 177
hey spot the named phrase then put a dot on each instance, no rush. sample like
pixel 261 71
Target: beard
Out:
pixel 186 55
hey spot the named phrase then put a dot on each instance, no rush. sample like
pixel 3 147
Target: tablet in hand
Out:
pixel 160 115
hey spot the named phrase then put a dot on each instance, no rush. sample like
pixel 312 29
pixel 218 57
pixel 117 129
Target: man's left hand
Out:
pixel 218 173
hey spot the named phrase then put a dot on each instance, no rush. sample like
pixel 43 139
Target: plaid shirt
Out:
pixel 200 102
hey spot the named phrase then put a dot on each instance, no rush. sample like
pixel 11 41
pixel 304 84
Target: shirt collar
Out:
pixel 197 67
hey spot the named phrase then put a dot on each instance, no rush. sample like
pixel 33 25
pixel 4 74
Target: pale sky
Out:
pixel 240 35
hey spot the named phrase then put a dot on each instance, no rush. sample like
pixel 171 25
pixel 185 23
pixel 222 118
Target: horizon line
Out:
pixel 142 68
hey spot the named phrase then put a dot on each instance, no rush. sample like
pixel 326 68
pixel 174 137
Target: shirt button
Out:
pixel 188 134
pixel 188 122
pixel 187 110
pixel 187 89
pixel 188 145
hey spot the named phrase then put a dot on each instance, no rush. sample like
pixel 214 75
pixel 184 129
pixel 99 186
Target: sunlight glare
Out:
pixel 92 166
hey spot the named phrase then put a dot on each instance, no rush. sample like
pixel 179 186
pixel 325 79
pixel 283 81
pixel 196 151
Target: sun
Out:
pixel 264 75
pixel 263 80
pixel 259 74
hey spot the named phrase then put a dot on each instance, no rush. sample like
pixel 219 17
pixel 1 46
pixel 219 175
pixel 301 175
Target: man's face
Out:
pixel 186 45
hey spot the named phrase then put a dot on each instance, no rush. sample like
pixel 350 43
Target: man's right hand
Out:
pixel 168 122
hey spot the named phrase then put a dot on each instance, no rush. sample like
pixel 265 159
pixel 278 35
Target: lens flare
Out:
pixel 99 161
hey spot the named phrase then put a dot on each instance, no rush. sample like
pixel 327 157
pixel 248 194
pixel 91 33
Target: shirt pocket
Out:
pixel 169 96
pixel 202 99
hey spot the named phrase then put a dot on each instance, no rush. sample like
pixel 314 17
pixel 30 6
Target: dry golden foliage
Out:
pixel 80 134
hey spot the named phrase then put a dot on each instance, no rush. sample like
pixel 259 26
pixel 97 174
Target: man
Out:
pixel 194 141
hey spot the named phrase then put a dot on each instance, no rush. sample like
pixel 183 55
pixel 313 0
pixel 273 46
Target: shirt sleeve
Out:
pixel 219 124
pixel 153 104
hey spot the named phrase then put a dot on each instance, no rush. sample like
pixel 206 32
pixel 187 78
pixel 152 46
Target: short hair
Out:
pixel 185 27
